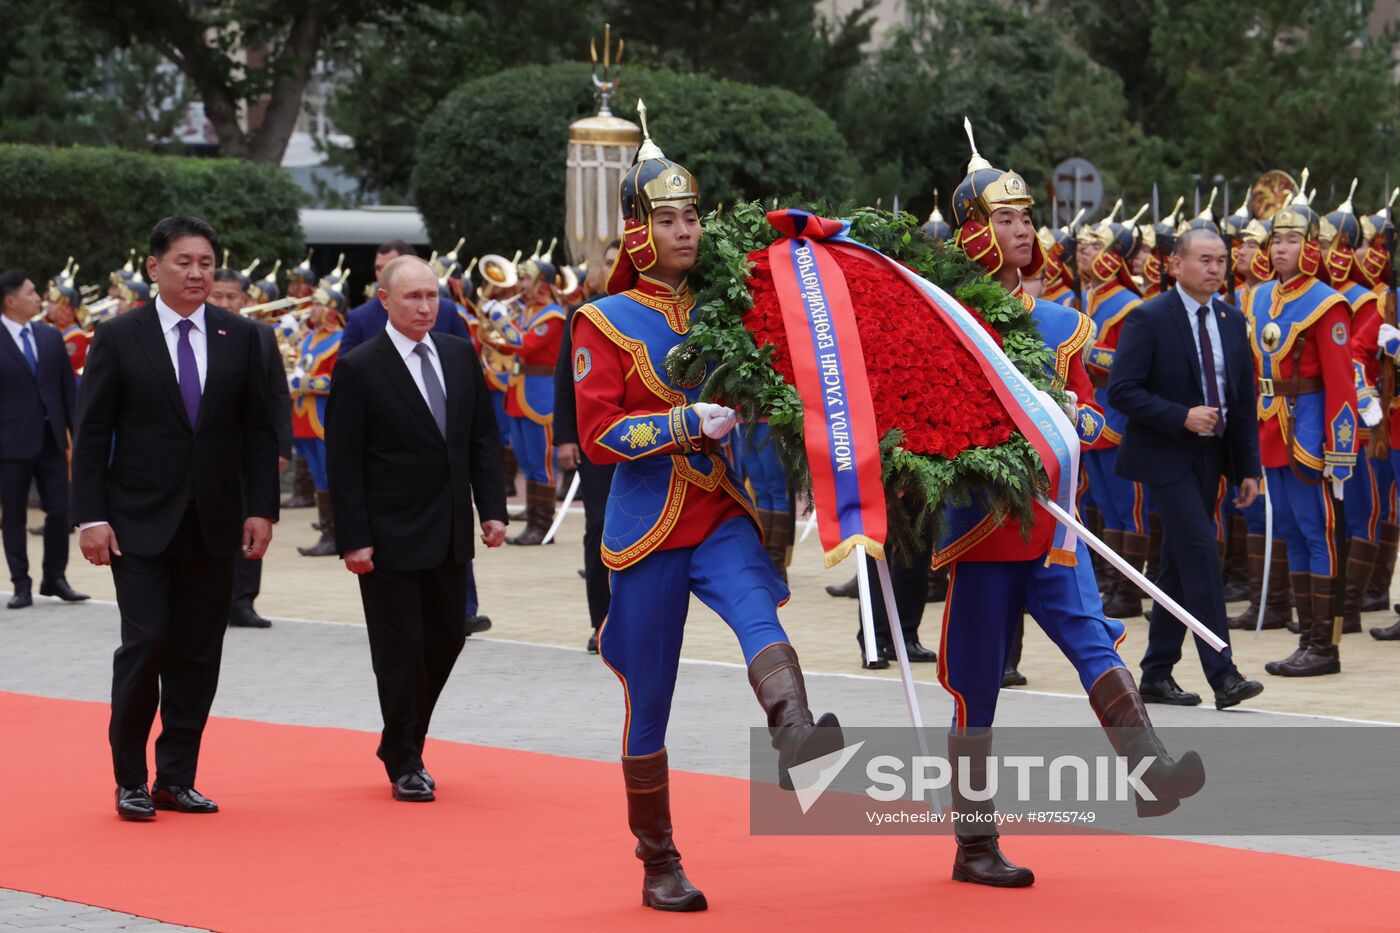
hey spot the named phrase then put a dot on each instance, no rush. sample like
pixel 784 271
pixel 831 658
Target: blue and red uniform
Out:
pixel 534 341
pixel 310 388
pixel 1122 502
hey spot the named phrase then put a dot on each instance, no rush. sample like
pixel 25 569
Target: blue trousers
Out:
pixel 498 402
pixel 640 640
pixel 1305 519
pixel 313 451
pixel 763 470
pixel 1364 502
pixel 1385 485
pixel 1189 571
pixel 984 607
pixel 534 449
pixel 1122 502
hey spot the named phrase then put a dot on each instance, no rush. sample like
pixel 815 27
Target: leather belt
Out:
pixel 531 370
pixel 1268 388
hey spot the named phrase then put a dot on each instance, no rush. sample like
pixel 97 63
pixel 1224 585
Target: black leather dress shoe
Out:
pixel 59 587
pixel 593 642
pixel 879 664
pixel 134 803
pixel 182 799
pixel 1012 677
pixel 1236 690
pixel 427 778
pixel 246 617
pixel 917 653
pixel 411 788
pixel 23 597
pixel 476 624
pixel 1167 691
pixel 849 590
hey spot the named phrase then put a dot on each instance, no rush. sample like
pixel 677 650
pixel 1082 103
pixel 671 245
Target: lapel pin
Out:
pixel 223 333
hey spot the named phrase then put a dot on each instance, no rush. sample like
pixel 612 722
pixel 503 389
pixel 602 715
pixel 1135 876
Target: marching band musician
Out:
pixel 310 386
pixel 500 282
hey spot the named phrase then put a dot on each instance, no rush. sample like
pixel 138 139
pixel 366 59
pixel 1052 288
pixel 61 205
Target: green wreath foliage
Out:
pixel 1004 478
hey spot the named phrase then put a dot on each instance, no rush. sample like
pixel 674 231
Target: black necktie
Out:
pixel 1208 368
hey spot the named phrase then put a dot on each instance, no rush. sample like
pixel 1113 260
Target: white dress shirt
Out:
pixel 15 329
pixel 405 346
pixel 1217 350
pixel 199 338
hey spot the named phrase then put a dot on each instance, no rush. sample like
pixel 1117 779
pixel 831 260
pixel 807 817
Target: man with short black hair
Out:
pixel 1184 379
pixel 173 426
pixel 37 393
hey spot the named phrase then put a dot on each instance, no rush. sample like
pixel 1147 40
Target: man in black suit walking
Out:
pixel 37 394
pixel 1184 377
pixel 174 424
pixel 411 440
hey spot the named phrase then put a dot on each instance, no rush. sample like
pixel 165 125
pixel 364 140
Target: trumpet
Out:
pixel 271 307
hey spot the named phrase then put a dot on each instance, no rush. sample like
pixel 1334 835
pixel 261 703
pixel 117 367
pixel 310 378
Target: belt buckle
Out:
pixel 1266 387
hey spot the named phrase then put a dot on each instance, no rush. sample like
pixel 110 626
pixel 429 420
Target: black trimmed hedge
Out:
pixel 96 204
pixel 490 163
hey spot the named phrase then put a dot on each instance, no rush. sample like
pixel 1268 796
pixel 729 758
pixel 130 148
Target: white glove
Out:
pixel 1370 411
pixel 495 311
pixel 1389 339
pixel 715 420
pixel 1071 408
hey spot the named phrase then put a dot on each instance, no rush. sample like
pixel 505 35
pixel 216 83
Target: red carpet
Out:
pixel 310 840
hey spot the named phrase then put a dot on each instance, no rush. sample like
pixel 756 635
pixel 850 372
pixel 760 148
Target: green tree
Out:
pixel 783 43
pixel 490 163
pixel 240 54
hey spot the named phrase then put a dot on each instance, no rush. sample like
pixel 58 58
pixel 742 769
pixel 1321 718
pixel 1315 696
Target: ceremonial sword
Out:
pixel 563 509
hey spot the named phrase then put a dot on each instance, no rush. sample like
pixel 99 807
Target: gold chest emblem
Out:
pixel 642 434
pixel 1271 336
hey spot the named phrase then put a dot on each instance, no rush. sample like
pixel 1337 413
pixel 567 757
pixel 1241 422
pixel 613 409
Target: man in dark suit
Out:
pixel 1184 377
pixel 368 321
pixel 247 573
pixel 37 394
pixel 595 479
pixel 411 440
pixel 173 425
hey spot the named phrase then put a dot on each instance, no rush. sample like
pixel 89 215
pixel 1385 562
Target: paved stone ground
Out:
pixel 32 913
pixel 530 685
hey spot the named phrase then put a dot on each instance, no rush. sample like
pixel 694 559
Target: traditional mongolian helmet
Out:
pixel 303 272
pixel 335 279
pixel 1379 232
pixel 135 290
pixel 1235 223
pixel 1118 240
pixel 1205 220
pixel 1298 216
pixel 983 192
pixel 245 275
pixel 332 298
pixel 1345 222
pixel 126 271
pixel 652 182
pixel 1164 230
pixel 265 289
pixel 64 291
pixel 936 227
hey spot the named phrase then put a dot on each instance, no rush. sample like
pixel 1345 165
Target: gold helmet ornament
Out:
pixel 936 227
pixel 652 182
pixel 984 191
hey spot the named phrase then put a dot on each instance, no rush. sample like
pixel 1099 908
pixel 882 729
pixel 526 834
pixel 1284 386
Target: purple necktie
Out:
pixel 1208 367
pixel 190 390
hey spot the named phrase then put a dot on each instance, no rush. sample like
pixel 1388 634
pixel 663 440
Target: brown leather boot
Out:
pixel 326 546
pixel 1378 591
pixel 1127 601
pixel 1297 625
pixel 1237 582
pixel 1361 562
pixel 1320 655
pixel 1388 633
pixel 776 678
pixel 776 538
pixel 1302 599
pixel 1254 549
pixel 539 514
pixel 508 469
pixel 303 489
pixel 979 859
pixel 1118 704
pixel 664 884
pixel 1109 578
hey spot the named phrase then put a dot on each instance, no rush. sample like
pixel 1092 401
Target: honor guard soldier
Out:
pixel 1374 260
pixel 1367 491
pixel 533 341
pixel 64 311
pixel 500 286
pixel 310 385
pixel 1308 423
pixel 1102 256
pixel 1000 570
pixel 676 523
pixel 1159 240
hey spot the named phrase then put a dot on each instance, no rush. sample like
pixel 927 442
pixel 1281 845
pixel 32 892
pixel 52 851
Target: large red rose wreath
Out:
pixel 944 436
